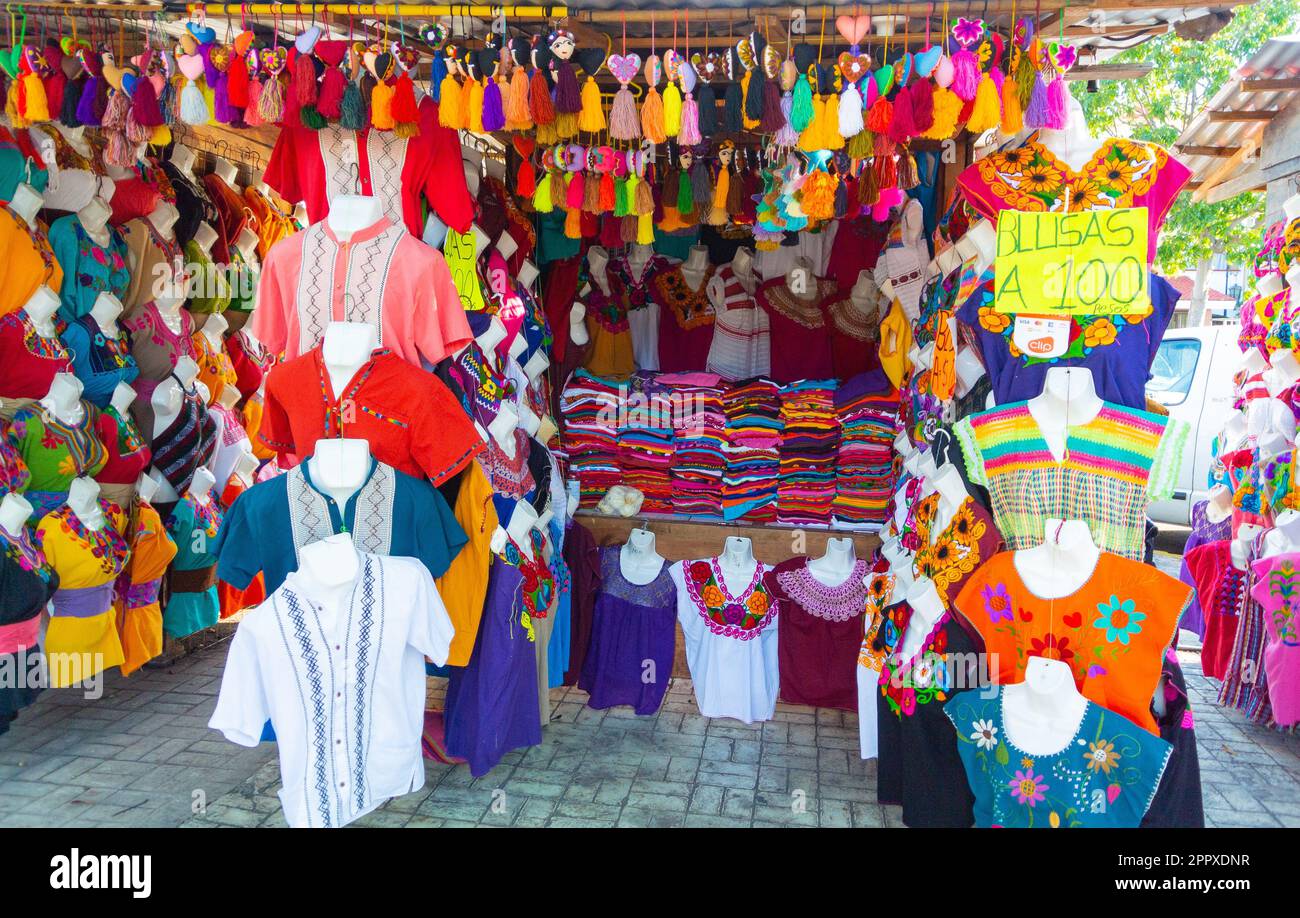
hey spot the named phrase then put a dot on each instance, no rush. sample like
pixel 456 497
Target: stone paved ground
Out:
pixel 142 756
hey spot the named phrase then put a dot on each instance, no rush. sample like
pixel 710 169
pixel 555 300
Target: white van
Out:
pixel 1192 377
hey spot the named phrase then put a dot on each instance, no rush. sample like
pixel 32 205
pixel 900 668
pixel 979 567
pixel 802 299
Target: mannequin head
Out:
pixel 25 202
pixel 799 279
pixel 41 307
pixel 105 312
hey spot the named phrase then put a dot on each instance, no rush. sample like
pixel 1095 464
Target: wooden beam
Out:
pixel 1193 150
pixel 1248 179
pixel 1221 172
pixel 1222 117
pixel 1133 71
pixel 1281 84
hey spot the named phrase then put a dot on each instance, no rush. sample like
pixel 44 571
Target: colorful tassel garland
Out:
pixel 965 74
pixel 987 110
pixel 592 117
pixel 850 112
pixel 733 109
pixel 652 117
pixel 707 102
pixel 689 135
pixel 922 93
pixel 672 99
pixel 539 97
pixel 494 116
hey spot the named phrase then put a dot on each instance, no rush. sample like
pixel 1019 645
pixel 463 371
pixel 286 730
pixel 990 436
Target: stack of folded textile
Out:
pixel 867 408
pixel 589 406
pixel 752 450
pixel 645 443
pixel 810 439
pixel 701 434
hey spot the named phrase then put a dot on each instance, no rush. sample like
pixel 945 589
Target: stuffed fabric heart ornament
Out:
pixel 771 62
pixel 625 67
pixel 903 69
pixel 433 34
pixel 1063 56
pixel 854 67
pixel 654 70
pixel 274 60
pixel 307 39
pixel 672 65
pixel 129 80
pixel 927 60
pixel 853 28
pixel 590 60
pixel 408 58
pixel 243 41
pixel 190 65
pixel 370 60
pixel 688 76
pixel 943 71
pixel 203 33
pixel 707 66
pixel 884 77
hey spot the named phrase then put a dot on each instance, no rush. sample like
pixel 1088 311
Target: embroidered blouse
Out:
pixel 1105 776
pixel 29 262
pixel 139 613
pixel 128 451
pixel 685 321
pixel 31 360
pixel 742 333
pixel 55 453
pixel 948 557
pixel 801 344
pixel 188 442
pixel 98 360
pixel 610 354
pixel 155 260
pixel 411 420
pixel 89 269
pixel 1111 631
pixel 1113 465
pixel 215 369
pixel 1121 173
pixel 821 630
pixel 635 292
pixel 381 275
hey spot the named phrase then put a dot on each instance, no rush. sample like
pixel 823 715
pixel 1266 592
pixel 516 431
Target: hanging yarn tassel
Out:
pixel 237 81
pixel 35 104
pixel 627 229
pixel 518 117
pixel 1057 112
pixel 902 126
pixel 624 124
pixel 753 83
pixel 786 136
pixel 810 137
pixel 329 102
pixel 55 86
pixel 707 102
pixel 381 106
pixel 252 114
pixel 86 104
pixel 818 196
pixel 733 109
pixel 471 101
pixel 71 96
pixel 881 116
pixel 946 108
pixel 886 172
pixel 542 202
pixel 450 113
pixel 270 101
pixel 922 93
pixel 591 193
pixel 1023 73
pixel 304 80
pixel 194 108
pixel 607 199
pixel 643 198
pixel 987 110
pixel 701 185
pixel 721 191
pixel 965 74
pixel 573 224
pixel 100 102
pixel 1013 118
pixel 352 110
pixel 575 192
pixel 685 199
pixel 829 131
pixel 850 111
pixel 559 188
pixel 1037 114
pixel 672 99
pixel 144 104
pixel 841 201
pixel 437 73
pixel 749 121
pixel 568 99
pixel 622 200
pixel 539 97
pixel 801 111
pixel 117 150
pixel 526 178
pixel 592 117
pixel 652 117
pixel 860 145
pixel 494 115
pixel 868 190
pixel 773 119
pixel 689 135
pixel 908 174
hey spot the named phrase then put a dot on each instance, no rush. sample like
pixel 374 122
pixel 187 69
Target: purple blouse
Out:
pixel 1202 531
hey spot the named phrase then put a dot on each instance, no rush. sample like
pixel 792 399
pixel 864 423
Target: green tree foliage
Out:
pixel 1159 106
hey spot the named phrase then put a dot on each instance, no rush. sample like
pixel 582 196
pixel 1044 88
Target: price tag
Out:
pixel 1041 337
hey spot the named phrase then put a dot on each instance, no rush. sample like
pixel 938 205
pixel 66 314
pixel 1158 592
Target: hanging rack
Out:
pixel 390 9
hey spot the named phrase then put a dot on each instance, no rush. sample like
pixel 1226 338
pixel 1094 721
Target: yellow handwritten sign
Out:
pixel 461 252
pixel 1087 263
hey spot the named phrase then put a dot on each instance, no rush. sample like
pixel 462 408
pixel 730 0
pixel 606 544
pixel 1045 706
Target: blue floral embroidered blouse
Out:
pixel 100 362
pixel 89 269
pixel 1105 777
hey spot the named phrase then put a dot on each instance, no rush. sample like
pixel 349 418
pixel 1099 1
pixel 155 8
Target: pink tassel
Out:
pixel 965 74
pixel 576 192
pixel 922 106
pixel 1057 113
pixel 689 135
pixel 144 104
pixel 903 126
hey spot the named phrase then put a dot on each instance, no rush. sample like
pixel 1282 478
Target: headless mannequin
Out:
pixel 123 396
pixel 201 486
pixel 214 329
pixel 1284 537
pixel 1073 145
pixel 1062 564
pixel 40 309
pixel 835 566
pixel 1243 546
pixel 105 312
pixel 246 243
pixel 245 467
pixel 695 267
pixel 639 562
pixel 638 257
pixel 76 137
pixel 742 265
pixel 345 350
pixel 183 159
pixel 492 336
pixel 94 220
pixel 169 309
pixel 330 566
pixel 980 244
pixel 507 246
pixel 352 212
pixel 597 266
pixel 900 565
pixel 229 397
pixel 1042 713
pixel 63 401
pixel 573 498
pixel 522 520
pixel 83 500
pixel 15 511
pixel 24 204
pixel 204 236
pixel 1234 432
pixel 1271 285
pixel 527 274
pixel 925 465
pixel 339 468
pixel 903 446
pixel 1286 365
pixel 163 219
pixel 1218 507
pixel 146 488
pixel 166 403
pixel 225 170
pixel 503 428
pixel 578 324
pixel 864 293
pixel 481 239
pixel 799 279
pixel 947 482
pixel 1068 399
pixel 1253 362
pixel 927 609
pixel 737 563
pixel 472 160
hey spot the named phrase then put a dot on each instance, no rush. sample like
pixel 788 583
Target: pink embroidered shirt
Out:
pixel 381 275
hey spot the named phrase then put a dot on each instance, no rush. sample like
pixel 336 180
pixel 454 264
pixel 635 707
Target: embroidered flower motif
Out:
pixel 1120 174
pixel 984 734
pixel 1028 788
pixel 1087 194
pixel 712 595
pixel 700 572
pixel 1101 756
pixel 997 603
pixel 992 321
pixel 756 603
pixel 1120 620
pixel 1041 178
pixel 907 701
pixel 734 613
pixel 968 31
pixel 1052 648
pixel 1100 333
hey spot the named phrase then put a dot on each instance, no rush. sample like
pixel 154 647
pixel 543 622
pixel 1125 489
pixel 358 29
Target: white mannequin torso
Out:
pixel 1284 537
pixel 40 309
pixel 329 569
pixel 597 267
pixel 1072 145
pixel 695 267
pixel 338 467
pixel 94 220
pixel 201 485
pixel 1068 399
pixel 639 562
pixel 346 348
pixel 835 566
pixel 927 609
pixel 1042 714
pixel 63 401
pixel 25 202
pixel 1062 564
pixel 352 212
pixel 169 310
pixel 123 396
pixel 947 481
pixel 15 511
pixel 105 312
pixel 83 500
pixel 737 564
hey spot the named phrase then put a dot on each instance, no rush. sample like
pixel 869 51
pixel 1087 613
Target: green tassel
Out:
pixel 620 198
pixel 801 108
pixel 1024 77
pixel 685 200
pixel 311 118
pixel 352 114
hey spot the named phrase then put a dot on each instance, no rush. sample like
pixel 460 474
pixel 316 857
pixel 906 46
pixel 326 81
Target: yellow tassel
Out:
pixel 645 229
pixel 475 109
pixel 566 123
pixel 718 214
pixel 37 106
pixel 811 136
pixel 542 202
pixel 986 112
pixel 161 136
pixel 11 106
pixel 467 104
pixel 573 224
pixel 947 109
pixel 547 134
pixel 592 117
pixel 381 107
pixel 1013 118
pixel 449 110
pixel 830 136
pixel 750 123
pixel 672 110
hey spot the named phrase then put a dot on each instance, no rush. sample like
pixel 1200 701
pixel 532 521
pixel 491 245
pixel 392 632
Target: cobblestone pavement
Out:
pixel 142 756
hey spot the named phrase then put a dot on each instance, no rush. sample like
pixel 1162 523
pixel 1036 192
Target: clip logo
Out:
pixel 1040 346
pixel 103 871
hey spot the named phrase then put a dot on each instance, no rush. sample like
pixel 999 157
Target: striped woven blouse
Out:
pixel 1112 467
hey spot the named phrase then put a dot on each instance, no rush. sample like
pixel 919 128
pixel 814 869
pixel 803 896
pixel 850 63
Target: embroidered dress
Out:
pixel 29 262
pixel 215 369
pixel 1104 777
pixel 635 293
pixel 89 269
pixel 1178 801
pixel 949 557
pixel 139 615
pixel 855 337
pixel 316 672
pixel 128 455
pixel 100 361
pixel 1203 531
pixel 81 639
pixel 188 442
pixel 55 453
pixel 1223 590
pixel 231 215
pixel 403 172
pixel 820 630
pixel 1245 678
pixel 1112 467
pixel 633 624
pixel 31 360
pixel 610 353
pixel 1111 631
pixel 920 768
pixel 156 349
pixel 1277 590
pixel 209 287
pixel 156 262
pixel 871 657
pixel 14 474
pixel 801 344
pixel 685 320
pixel 742 333
pixel 1121 173
pixel 731 648
pixel 380 275
pixel 409 417
pixel 192 603
pixel 26 584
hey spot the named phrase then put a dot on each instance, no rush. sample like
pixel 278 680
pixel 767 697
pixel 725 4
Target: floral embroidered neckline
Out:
pixel 23 551
pixel 537 587
pixel 691 308
pixel 840 603
pixel 743 617
pixel 105 543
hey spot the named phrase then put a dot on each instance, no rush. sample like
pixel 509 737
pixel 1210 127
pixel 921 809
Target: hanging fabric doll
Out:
pixel 540 101
pixel 652 106
pixel 568 98
pixel 769 65
pixel 718 213
pixel 624 123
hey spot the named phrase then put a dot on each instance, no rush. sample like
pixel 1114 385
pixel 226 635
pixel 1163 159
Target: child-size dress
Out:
pixel 192 580
pixel 139 616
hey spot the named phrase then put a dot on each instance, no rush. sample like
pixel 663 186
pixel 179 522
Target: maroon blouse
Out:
pixel 801 341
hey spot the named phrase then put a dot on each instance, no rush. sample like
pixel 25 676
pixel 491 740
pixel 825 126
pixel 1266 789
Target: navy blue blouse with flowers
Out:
pixel 98 360
pixel 89 269
pixel 1105 777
